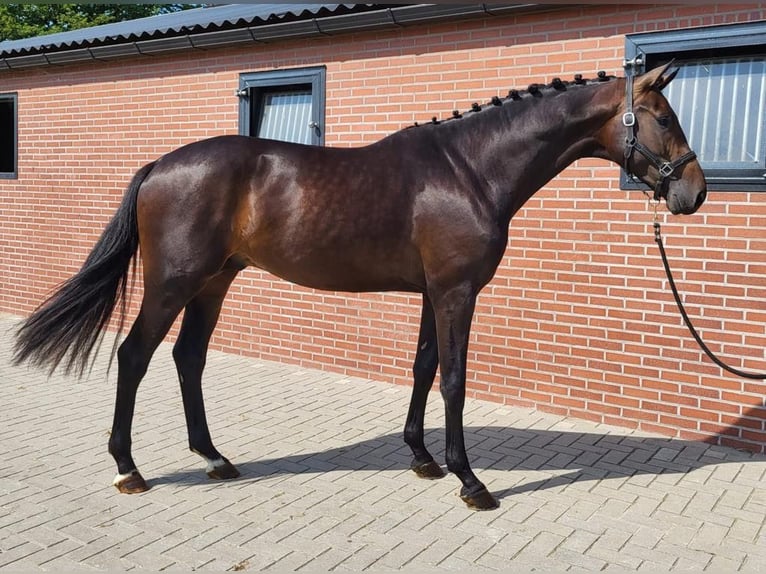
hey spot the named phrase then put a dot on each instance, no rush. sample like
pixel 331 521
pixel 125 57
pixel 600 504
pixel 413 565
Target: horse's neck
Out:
pixel 542 137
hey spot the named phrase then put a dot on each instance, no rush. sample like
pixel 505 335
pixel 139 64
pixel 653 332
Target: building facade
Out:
pixel 578 320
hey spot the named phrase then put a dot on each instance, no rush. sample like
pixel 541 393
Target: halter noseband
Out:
pixel 664 168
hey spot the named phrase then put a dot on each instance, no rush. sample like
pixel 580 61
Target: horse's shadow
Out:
pixel 562 457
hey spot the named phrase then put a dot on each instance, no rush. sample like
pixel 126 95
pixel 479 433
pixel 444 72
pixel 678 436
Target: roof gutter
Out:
pixel 173 41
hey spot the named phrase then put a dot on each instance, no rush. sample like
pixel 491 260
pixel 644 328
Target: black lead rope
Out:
pixel 692 330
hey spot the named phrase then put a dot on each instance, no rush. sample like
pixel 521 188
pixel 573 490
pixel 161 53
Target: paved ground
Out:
pixel 325 484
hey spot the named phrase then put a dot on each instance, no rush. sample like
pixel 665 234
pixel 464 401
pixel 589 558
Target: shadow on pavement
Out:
pixel 573 456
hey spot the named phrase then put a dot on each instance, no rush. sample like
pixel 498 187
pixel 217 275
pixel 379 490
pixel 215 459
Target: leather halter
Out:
pixel 665 169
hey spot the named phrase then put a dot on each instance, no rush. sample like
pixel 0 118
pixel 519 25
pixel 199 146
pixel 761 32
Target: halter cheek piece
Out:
pixel 665 169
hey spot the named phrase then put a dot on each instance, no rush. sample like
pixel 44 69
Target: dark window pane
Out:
pixel 7 135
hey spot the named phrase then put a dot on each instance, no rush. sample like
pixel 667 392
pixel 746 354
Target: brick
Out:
pixel 580 302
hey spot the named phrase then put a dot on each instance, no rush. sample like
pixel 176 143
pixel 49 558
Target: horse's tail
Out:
pixel 69 324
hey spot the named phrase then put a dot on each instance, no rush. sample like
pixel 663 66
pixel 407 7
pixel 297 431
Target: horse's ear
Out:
pixel 655 79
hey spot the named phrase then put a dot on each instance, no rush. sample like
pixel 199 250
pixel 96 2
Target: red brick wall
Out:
pixel 578 319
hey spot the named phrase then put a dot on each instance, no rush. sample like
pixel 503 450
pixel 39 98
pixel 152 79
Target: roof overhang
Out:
pixel 230 25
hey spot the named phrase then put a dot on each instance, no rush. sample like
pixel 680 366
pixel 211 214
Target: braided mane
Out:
pixel 557 85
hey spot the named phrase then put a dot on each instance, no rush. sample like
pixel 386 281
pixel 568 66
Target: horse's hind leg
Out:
pixel 189 352
pixel 424 371
pixel 152 324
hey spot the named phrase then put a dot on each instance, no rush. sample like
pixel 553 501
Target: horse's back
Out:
pixel 332 218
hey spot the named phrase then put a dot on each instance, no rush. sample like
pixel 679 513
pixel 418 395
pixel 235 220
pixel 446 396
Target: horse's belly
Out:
pixel 334 271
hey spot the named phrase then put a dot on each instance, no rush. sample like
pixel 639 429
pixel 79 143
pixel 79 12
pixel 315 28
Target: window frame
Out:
pixel 721 41
pixel 13 98
pixel 253 85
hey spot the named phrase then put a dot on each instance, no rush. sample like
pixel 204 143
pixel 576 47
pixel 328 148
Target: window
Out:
pixel 8 136
pixel 285 105
pixel 719 96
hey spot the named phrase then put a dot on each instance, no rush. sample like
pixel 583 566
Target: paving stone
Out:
pixel 20 555
pixel 326 483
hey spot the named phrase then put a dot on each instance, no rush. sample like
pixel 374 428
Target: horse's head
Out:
pixel 646 138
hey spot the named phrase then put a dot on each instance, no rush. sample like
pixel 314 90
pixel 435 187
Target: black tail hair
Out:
pixel 69 324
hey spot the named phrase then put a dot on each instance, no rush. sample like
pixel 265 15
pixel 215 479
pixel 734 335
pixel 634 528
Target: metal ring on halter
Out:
pixel 654 205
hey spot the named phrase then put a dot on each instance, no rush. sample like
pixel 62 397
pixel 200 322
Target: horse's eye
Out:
pixel 664 121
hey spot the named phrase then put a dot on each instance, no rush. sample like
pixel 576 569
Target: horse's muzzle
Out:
pixel 682 200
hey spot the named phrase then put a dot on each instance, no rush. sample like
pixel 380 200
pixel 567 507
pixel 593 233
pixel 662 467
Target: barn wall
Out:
pixel 578 320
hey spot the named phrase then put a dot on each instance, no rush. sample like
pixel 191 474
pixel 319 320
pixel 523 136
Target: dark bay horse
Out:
pixel 424 210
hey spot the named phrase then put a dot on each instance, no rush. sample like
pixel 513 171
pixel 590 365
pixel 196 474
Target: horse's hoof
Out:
pixel 429 470
pixel 131 483
pixel 480 500
pixel 223 471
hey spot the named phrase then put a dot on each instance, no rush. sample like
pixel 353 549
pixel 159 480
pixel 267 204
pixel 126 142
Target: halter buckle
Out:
pixel 628 119
pixel 666 169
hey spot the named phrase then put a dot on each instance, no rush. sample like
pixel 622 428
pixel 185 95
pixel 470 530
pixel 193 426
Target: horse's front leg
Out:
pixel 454 312
pixel 424 371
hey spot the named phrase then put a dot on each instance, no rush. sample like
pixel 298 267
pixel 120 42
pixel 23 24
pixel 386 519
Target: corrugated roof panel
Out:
pixel 170 24
pixel 232 24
